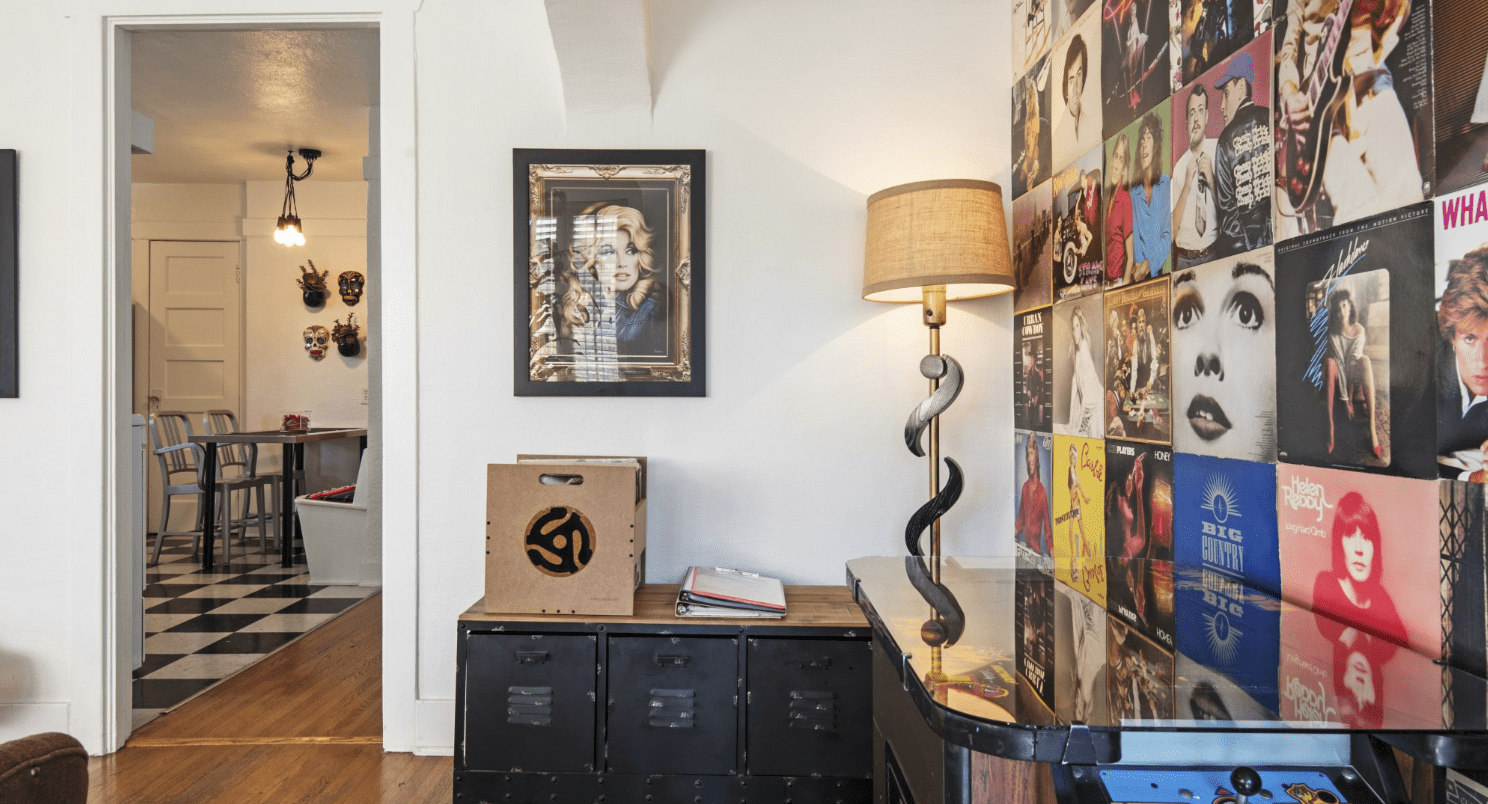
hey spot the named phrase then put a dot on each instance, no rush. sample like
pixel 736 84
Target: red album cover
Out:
pixel 1076 95
pixel 1139 675
pixel 1033 381
pixel 1353 548
pixel 1033 522
pixel 1139 537
pixel 1137 395
pixel 1078 268
pixel 1033 258
pixel 1031 129
pixel 1353 118
pixel 1222 159
pixel 1460 73
pixel 1078 389
pixel 1331 674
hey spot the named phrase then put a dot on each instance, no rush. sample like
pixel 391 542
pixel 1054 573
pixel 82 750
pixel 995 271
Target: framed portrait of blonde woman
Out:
pixel 609 272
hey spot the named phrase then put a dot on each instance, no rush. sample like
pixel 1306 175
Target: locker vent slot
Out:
pixel 813 709
pixel 672 709
pixel 529 706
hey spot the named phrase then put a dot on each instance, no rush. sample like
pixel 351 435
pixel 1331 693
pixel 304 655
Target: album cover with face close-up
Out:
pixel 1462 335
pixel 1356 346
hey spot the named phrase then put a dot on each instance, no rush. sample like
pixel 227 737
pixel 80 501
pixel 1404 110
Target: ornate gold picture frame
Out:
pixel 609 273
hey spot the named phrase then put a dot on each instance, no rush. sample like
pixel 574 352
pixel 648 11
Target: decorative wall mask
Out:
pixel 351 287
pixel 316 338
pixel 313 284
pixel 345 335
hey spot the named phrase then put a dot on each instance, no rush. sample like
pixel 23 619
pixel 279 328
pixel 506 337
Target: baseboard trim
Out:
pixel 434 727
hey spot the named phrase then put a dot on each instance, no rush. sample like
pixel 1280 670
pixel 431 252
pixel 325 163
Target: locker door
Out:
pixel 529 703
pixel 673 705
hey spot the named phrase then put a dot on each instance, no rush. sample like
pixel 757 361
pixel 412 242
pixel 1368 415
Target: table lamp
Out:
pixel 932 242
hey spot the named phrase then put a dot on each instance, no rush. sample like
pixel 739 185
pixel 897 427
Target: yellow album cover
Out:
pixel 1079 515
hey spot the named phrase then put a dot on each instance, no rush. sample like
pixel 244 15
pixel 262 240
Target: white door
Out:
pixel 196 340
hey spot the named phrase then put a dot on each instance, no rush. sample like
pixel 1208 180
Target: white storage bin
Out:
pixel 336 544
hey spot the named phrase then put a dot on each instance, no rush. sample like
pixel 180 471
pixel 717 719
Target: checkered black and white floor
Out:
pixel 203 627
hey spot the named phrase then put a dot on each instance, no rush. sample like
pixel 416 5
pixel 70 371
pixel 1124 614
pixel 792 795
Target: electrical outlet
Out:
pixel 364 395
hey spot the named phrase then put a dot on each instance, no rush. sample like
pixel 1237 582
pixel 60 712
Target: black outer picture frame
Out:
pixel 681 371
pixel 9 285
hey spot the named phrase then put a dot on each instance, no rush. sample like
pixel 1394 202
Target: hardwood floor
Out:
pixel 303 725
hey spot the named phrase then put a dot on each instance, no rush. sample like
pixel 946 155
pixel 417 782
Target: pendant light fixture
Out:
pixel 289 232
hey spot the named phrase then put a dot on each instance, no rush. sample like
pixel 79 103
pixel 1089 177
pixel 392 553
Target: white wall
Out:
pixel 792 464
pixel 795 461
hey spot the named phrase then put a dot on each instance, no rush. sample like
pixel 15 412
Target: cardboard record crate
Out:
pixel 565 535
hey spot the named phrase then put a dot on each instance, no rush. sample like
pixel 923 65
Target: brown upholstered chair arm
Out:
pixel 49 768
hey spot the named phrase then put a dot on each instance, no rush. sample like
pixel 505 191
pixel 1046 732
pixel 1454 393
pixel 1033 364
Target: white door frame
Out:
pixel 99 273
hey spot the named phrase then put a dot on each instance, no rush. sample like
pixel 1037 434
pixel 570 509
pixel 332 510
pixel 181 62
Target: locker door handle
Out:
pixel 532 657
pixel 673 661
pixel 821 662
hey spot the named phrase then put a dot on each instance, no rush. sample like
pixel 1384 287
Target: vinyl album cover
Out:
pixel 1139 675
pixel 1031 128
pixel 1035 27
pixel 1354 550
pixel 1033 520
pixel 1461 789
pixel 1034 650
pixel 1461 526
pixel 1077 374
pixel 1075 95
pixel 1333 674
pixel 1032 255
pixel 1033 377
pixel 1460 56
pixel 1222 160
pixel 1078 268
pixel 1210 30
pixel 1353 117
pixel 1462 334
pixel 1079 657
pixel 1224 518
pixel 1229 629
pixel 1139 537
pixel 1204 694
pixel 1137 402
pixel 1136 64
pixel 1224 357
pixel 1143 222
pixel 1356 346
pixel 1079 515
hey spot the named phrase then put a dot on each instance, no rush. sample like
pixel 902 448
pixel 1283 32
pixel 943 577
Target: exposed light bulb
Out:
pixel 288 233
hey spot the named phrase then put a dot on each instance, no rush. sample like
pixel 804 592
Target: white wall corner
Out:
pixel 603 59
pixel 434 728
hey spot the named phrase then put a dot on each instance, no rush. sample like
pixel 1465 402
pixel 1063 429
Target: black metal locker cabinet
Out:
pixel 530 703
pixel 672 705
pixel 810 708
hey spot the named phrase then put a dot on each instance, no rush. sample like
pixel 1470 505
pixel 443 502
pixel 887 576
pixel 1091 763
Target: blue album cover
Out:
pixel 1224 517
pixel 1224 524
pixel 1230 629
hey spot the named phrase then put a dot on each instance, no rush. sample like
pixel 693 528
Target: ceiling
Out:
pixel 228 105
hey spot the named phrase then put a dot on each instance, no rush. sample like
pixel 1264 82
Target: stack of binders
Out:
pixel 719 592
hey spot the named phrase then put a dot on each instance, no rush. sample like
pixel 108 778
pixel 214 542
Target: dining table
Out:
pixel 293 443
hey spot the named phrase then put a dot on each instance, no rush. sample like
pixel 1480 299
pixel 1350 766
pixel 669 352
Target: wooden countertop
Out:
pixel 821 606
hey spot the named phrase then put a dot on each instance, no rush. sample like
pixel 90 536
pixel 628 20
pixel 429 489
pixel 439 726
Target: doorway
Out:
pixel 219 321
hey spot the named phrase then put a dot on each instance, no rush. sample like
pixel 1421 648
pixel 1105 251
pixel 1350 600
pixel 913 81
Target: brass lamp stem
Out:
pixel 934 304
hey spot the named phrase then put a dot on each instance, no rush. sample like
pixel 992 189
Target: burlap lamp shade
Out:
pixel 949 232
